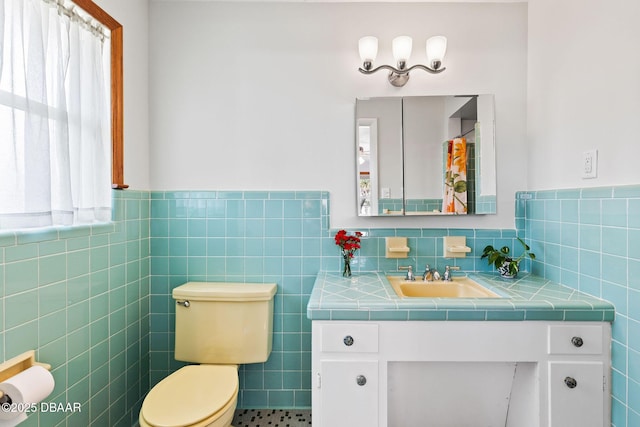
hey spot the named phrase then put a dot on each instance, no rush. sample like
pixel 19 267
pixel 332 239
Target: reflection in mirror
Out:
pixel 382 119
pixel 367 165
pixel 428 155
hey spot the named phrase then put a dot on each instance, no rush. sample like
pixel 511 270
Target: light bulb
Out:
pixel 402 48
pixel 368 48
pixel 436 49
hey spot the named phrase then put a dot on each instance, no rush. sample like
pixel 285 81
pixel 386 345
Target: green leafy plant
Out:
pixel 507 265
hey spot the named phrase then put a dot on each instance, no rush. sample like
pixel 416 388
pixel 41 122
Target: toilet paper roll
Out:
pixel 25 389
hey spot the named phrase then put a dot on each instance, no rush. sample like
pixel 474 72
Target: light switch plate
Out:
pixel 590 164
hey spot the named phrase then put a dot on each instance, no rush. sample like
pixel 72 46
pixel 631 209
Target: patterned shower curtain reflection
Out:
pixel 455 177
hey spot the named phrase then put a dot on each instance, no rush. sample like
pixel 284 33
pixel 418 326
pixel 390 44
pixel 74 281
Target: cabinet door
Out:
pixel 576 394
pixel 349 393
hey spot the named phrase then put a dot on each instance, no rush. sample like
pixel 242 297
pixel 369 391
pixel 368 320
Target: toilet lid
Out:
pixel 191 394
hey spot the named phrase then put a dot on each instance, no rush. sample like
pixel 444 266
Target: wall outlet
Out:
pixel 386 193
pixel 590 164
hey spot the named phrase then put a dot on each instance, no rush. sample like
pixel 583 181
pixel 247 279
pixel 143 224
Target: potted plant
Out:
pixel 506 265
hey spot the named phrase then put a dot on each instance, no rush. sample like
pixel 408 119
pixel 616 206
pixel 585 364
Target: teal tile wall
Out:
pixel 80 297
pixel 109 287
pixel 390 204
pixel 589 239
pixel 426 248
pixel 486 205
pixel 270 237
pixel 421 205
pixel 280 237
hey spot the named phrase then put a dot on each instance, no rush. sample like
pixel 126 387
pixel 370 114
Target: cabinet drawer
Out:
pixel 350 338
pixel 575 339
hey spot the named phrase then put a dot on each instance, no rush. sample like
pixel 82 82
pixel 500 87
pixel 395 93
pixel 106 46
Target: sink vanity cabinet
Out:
pixel 402 374
pixel 346 381
pixel 378 360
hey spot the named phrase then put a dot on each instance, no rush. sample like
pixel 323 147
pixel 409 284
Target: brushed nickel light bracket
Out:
pixel 398 76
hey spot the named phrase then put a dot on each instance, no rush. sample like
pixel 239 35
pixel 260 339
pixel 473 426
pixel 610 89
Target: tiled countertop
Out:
pixel 369 296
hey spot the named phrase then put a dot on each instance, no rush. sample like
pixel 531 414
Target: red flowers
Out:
pixel 348 244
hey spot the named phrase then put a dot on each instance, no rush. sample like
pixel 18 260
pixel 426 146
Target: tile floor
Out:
pixel 271 418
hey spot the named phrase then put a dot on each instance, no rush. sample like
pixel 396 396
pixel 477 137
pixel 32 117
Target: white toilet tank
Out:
pixel 224 323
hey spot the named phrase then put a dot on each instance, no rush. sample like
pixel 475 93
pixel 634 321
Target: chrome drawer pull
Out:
pixel 570 382
pixel 577 341
pixel 348 340
pixel 361 380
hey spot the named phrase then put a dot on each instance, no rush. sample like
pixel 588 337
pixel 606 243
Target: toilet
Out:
pixel 218 326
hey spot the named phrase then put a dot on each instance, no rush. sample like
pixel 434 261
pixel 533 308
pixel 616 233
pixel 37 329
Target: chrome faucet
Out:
pixel 430 274
pixel 427 276
pixel 410 275
pixel 447 273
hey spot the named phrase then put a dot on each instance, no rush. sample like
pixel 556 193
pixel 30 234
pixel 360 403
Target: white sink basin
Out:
pixel 459 287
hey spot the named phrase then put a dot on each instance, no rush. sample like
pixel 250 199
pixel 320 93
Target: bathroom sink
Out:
pixel 459 287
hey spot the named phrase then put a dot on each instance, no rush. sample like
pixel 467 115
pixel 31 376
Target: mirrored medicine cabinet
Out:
pixel 426 155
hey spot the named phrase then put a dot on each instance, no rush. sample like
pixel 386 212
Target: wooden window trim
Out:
pixel 117 98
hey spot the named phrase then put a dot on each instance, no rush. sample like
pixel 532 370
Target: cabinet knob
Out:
pixel 570 382
pixel 348 340
pixel 361 380
pixel 577 341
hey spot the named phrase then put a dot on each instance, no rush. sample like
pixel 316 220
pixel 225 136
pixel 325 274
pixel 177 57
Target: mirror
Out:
pixel 426 155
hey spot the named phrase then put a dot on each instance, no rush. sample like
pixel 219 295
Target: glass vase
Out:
pixel 346 271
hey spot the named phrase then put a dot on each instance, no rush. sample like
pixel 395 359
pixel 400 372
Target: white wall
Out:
pixel 134 17
pixel 259 96
pixel 583 91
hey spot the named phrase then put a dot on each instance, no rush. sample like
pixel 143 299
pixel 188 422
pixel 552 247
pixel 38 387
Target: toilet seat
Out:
pixel 191 395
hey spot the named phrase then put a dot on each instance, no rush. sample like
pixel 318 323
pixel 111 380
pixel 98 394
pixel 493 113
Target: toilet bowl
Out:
pixel 193 396
pixel 218 326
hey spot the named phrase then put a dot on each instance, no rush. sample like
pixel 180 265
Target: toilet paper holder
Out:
pixel 20 363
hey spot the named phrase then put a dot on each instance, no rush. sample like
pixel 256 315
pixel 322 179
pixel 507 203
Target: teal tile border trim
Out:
pixel 37 235
pixel 239 194
pixel 607 192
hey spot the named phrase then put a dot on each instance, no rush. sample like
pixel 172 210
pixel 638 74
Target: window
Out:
pixel 117 112
pixel 60 118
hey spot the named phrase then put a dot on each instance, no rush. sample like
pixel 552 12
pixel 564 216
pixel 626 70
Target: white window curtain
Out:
pixel 55 144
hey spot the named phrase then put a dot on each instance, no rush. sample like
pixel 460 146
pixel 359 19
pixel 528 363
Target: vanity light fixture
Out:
pixel 401 46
